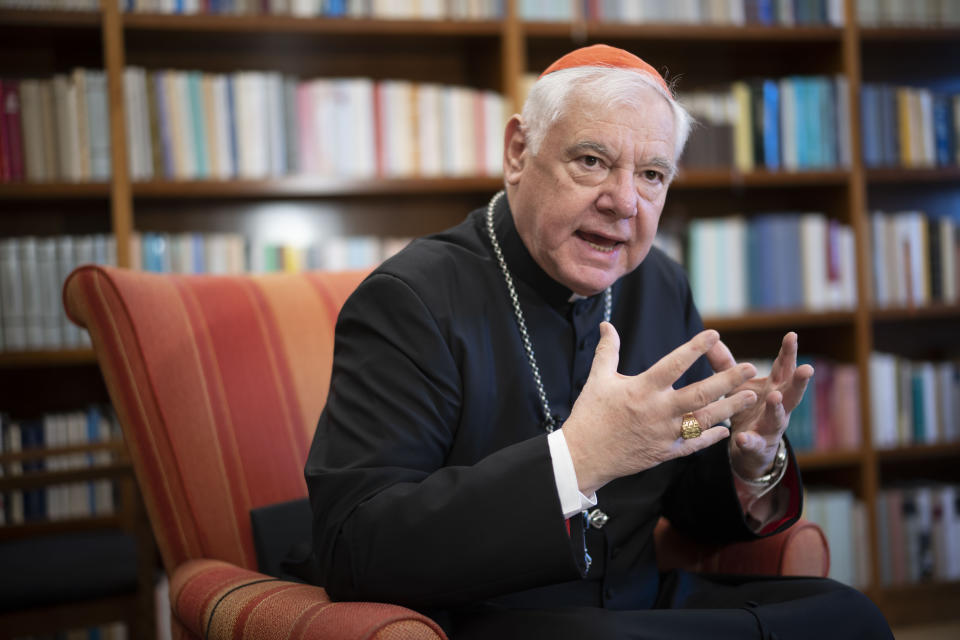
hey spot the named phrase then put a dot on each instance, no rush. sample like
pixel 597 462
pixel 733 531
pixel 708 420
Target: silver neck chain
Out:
pixel 549 422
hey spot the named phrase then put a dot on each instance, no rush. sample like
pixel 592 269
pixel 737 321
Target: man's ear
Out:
pixel 514 150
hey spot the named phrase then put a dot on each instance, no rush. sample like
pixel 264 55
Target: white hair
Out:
pixel 549 98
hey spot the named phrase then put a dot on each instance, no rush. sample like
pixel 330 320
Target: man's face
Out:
pixel 587 205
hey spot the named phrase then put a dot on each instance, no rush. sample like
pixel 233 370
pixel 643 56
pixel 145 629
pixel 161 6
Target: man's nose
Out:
pixel 619 194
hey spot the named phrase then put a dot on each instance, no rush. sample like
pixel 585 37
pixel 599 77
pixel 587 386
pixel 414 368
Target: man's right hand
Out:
pixel 621 425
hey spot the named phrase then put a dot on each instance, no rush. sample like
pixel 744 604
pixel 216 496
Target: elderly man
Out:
pixel 516 401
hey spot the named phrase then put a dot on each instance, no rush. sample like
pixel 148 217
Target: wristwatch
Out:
pixel 779 464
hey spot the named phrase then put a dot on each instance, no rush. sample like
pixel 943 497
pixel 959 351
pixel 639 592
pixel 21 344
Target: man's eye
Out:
pixel 591 161
pixel 653 176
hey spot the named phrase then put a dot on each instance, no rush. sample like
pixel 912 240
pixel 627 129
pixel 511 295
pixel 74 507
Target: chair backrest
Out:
pixel 218 382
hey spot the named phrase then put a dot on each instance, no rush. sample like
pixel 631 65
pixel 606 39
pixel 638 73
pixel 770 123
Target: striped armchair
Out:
pixel 218 382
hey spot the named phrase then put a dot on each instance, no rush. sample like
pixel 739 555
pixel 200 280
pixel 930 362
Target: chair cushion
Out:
pixel 75 566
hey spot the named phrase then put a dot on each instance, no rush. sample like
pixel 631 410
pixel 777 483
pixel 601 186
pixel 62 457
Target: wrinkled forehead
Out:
pixel 644 110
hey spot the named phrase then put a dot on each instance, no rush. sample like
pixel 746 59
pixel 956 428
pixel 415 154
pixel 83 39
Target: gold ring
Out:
pixel 690 427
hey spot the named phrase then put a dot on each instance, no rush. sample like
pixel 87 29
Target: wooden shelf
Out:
pixel 39 479
pixel 54 190
pixel 703 34
pixel 776 319
pixel 115 446
pixel 931 311
pixel 810 460
pixel 51 18
pixel 326 26
pixel 919 452
pixel 906 34
pixel 731 178
pixel 916 603
pixel 11 359
pixel 52 527
pixel 312 186
pixel 904 175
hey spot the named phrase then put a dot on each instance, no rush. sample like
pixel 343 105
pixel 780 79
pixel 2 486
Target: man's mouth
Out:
pixel 598 242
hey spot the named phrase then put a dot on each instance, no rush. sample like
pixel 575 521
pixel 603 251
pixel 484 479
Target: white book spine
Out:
pixel 29 275
pixel 11 289
pixel 50 299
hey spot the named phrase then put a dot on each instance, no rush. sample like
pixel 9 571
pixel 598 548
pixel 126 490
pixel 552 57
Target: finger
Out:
pixel 773 419
pixel 701 393
pixel 750 441
pixel 793 394
pixel 786 362
pixel 720 357
pixel 670 367
pixel 607 355
pixel 721 409
pixel 708 438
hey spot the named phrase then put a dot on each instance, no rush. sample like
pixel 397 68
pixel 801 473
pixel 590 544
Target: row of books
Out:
pixel 376 9
pixel 32 272
pixel 771 261
pixel 919 533
pixel 56 431
pixel 843 519
pixel 793 123
pixel 909 127
pixel 914 401
pixel 187 124
pixel 111 631
pixel 916 259
pixel 226 253
pixel 55 129
pixel 908 13
pixel 60 5
pixel 724 12
pixel 828 417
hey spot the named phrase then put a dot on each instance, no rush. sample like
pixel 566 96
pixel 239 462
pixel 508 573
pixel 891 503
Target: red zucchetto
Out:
pixel 602 55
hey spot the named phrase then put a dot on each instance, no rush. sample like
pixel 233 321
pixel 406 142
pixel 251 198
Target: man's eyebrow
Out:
pixel 669 169
pixel 588 145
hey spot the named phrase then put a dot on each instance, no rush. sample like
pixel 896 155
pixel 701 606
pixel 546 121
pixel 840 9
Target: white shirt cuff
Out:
pixel 572 501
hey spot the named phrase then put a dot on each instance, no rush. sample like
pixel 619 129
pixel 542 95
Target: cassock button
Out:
pixel 597 518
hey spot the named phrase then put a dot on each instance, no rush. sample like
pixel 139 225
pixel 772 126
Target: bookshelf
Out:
pixel 496 54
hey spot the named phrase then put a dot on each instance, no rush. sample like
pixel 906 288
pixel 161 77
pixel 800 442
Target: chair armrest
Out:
pixel 801 550
pixel 238 603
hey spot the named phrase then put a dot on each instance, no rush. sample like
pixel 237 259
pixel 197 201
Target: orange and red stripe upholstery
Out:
pixel 218 382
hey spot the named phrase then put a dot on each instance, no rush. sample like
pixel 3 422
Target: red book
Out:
pixel 4 143
pixel 13 137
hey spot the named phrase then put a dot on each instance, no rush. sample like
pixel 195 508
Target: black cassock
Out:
pixel 430 477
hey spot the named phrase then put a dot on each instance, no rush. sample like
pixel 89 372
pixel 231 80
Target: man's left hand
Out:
pixel 757 430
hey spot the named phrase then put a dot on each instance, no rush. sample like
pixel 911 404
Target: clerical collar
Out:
pixel 523 266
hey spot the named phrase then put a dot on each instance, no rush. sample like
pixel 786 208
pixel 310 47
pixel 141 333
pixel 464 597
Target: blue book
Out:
pixel 943 129
pixel 765 12
pixel 890 124
pixel 34 500
pixel 93 435
pixel 199 255
pixel 335 8
pixel 771 124
pixel 767 259
pixel 802 125
pixel 919 419
pixel 870 124
pixel 153 247
pixel 811 113
pixel 198 119
pixel 163 118
pixel 232 124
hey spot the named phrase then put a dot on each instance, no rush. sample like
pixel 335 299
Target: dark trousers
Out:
pixel 697 606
